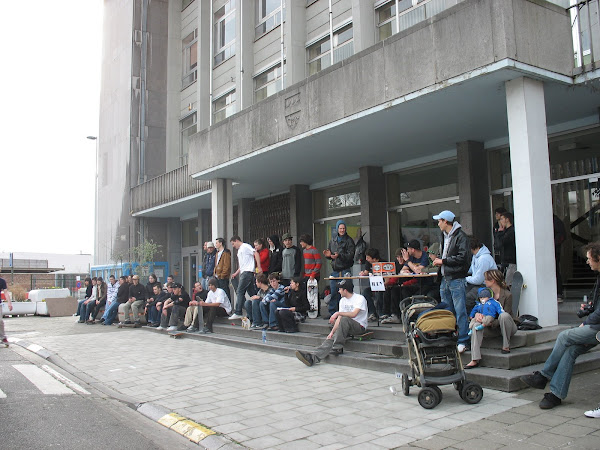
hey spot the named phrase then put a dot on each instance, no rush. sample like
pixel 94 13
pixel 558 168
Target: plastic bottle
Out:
pixel 264 336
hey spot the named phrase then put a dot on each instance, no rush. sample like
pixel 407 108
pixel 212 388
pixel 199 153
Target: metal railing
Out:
pixel 585 32
pixel 165 188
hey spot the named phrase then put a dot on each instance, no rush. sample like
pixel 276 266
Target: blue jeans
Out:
pixel 334 303
pixel 453 293
pixel 111 313
pixel 245 284
pixel 559 365
pixel 253 312
pixel 79 306
pixel 269 311
pixel 154 314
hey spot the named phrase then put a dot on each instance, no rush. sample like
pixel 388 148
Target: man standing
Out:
pixel 350 320
pixel 570 343
pixel 341 253
pixel 312 258
pixel 508 249
pixel 4 290
pixel 208 264
pixel 245 254
pixel 222 265
pixel 136 302
pixel 292 260
pixel 453 267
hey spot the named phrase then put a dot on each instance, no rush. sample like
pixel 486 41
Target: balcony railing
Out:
pixel 166 188
pixel 586 32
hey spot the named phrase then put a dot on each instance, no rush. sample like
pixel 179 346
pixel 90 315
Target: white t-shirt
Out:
pixel 219 296
pixel 356 301
pixel 245 256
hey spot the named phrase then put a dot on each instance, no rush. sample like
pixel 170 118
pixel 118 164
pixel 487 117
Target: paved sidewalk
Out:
pixel 265 400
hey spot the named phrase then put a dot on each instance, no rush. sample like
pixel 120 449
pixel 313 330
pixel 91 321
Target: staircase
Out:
pixel 581 282
pixel 387 351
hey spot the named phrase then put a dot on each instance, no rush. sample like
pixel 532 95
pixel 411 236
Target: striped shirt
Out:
pixel 312 262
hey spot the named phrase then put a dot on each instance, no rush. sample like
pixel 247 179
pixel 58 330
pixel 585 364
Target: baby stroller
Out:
pixel 433 357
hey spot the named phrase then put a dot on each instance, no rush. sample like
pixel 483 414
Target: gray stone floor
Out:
pixel 270 401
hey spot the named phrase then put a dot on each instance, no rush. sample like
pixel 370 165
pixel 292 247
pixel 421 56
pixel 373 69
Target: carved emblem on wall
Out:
pixel 293 100
pixel 292 104
pixel 293 119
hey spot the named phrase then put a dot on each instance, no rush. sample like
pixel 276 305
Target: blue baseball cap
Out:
pixel 446 215
pixel 484 292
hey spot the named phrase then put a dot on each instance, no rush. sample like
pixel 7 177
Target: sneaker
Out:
pixel 206 330
pixel 159 328
pixel 137 324
pixel 550 401
pixel 462 348
pixel 305 357
pixel 384 316
pixel 535 380
pixel 593 413
pixel 128 322
pixel 235 317
pixel 102 320
pixel 191 329
pixel 391 319
pixel 182 328
pixel 172 328
pixel 256 326
pixel 154 325
pixel 372 318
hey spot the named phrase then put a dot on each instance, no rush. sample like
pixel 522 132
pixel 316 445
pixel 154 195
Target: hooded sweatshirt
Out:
pixel 455 255
pixel 276 255
pixel 481 263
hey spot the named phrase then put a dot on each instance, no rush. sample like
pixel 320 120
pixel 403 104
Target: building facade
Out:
pixel 260 117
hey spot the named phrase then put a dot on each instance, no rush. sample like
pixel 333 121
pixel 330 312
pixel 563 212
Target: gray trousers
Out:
pixel 505 325
pixel 348 327
pixel 2 335
pixel 135 307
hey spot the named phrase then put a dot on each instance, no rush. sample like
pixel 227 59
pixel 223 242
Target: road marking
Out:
pixel 34 348
pixel 43 381
pixel 60 377
pixel 114 370
pixel 2 394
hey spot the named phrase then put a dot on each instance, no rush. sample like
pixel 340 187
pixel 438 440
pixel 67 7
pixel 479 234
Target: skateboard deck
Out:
pixel 126 325
pixel 515 290
pixel 363 337
pixel 312 291
pixel 176 334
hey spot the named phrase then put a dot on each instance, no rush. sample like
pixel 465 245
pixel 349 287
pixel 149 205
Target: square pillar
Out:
pixel 222 209
pixel 532 198
pixel 474 191
pixel 373 211
pixel 363 21
pixel 243 217
pixel 295 41
pixel 300 211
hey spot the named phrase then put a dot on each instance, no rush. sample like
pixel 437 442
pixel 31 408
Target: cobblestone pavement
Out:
pixel 265 400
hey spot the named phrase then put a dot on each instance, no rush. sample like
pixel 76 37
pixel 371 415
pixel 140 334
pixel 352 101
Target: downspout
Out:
pixel 330 33
pixel 397 18
pixel 241 41
pixel 210 65
pixel 142 151
pixel 282 47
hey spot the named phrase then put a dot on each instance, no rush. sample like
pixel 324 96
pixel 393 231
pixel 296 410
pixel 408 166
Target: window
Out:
pixel 267 83
pixel 190 58
pixel 189 233
pixel 268 15
pixel 186 3
pixel 187 127
pixel 224 34
pixel 224 107
pixel 319 56
pixel 386 17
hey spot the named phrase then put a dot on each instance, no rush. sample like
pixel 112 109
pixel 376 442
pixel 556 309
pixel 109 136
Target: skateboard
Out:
pixel 312 289
pixel 515 289
pixel 366 336
pixel 176 334
pixel 126 325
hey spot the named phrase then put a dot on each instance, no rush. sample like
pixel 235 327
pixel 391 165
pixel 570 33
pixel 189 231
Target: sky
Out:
pixel 50 81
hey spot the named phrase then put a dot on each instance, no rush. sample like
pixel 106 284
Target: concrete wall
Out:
pixel 427 54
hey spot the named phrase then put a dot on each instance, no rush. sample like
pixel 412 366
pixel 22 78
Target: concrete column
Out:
pixel 300 211
pixel 532 198
pixel 173 255
pixel 294 40
pixel 204 64
pixel 222 209
pixel 363 22
pixel 204 227
pixel 373 208
pixel 244 219
pixel 473 191
pixel 244 53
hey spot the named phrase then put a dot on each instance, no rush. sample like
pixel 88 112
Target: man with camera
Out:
pixel 570 343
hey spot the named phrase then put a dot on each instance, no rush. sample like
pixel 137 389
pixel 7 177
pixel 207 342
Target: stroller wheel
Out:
pixel 405 384
pixel 472 393
pixel 428 398
pixel 439 393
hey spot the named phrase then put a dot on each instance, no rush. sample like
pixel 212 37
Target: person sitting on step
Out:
pixel 295 309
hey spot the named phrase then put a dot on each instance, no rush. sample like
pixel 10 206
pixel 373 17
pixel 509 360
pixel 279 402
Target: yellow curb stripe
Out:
pixel 188 428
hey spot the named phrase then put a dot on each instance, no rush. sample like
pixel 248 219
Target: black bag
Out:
pixel 528 322
pixel 360 249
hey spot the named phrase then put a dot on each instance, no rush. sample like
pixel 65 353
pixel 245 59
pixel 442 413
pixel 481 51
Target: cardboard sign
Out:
pixel 383 268
pixel 377 283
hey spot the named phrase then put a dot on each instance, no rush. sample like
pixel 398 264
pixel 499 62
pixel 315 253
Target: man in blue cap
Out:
pixel 341 254
pixel 454 266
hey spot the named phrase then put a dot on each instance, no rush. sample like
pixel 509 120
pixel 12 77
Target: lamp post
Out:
pixel 95 139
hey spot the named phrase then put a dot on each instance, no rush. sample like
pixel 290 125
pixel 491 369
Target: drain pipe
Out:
pixel 210 65
pixel 241 41
pixel 330 33
pixel 142 149
pixel 282 46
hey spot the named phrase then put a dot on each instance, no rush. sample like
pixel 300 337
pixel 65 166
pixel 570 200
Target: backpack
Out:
pixel 528 322
pixel 360 250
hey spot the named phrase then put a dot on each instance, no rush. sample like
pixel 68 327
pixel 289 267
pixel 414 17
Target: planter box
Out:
pixel 19 308
pixel 58 307
pixel 39 295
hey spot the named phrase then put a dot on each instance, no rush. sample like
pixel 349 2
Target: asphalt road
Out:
pixel 39 411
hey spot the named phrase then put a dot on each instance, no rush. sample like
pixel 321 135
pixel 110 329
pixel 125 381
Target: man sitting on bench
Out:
pixel 350 320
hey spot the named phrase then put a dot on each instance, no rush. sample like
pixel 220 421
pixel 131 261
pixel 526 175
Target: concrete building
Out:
pixel 238 117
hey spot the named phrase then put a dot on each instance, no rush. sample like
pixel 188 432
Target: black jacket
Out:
pixel 123 293
pixel 508 249
pixel 457 261
pixel 139 291
pixel 298 300
pixel 593 320
pixel 276 256
pixel 150 289
pixel 345 249
pixel 185 299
